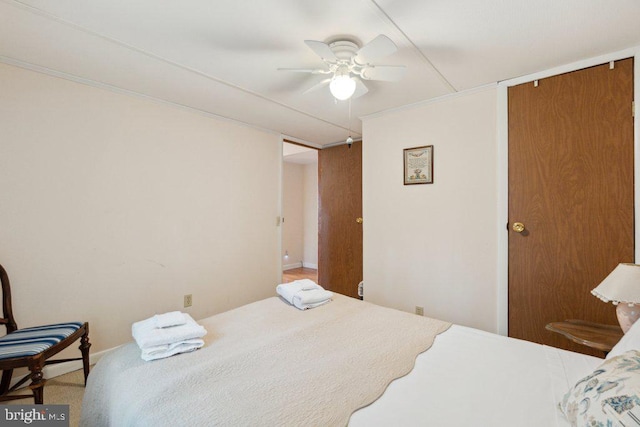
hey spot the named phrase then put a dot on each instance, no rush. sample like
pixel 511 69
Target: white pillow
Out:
pixel 629 341
pixel 609 396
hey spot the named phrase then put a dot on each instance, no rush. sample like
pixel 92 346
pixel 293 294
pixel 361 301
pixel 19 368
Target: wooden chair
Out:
pixel 32 347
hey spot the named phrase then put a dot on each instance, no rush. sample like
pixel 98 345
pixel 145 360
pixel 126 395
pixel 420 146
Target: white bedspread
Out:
pixel 467 378
pixel 265 363
pixel 474 378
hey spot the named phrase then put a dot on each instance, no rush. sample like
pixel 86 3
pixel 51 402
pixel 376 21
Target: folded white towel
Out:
pixel 297 304
pixel 304 294
pixel 308 284
pixel 147 335
pixel 162 351
pixel 288 290
pixel 166 320
pixel 312 296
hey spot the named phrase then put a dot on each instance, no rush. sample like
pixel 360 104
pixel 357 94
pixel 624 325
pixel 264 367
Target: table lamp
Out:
pixel 622 288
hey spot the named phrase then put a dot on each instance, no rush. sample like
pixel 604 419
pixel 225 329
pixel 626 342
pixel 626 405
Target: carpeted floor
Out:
pixel 66 389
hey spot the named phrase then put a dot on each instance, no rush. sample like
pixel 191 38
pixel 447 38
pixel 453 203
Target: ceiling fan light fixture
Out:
pixel 342 86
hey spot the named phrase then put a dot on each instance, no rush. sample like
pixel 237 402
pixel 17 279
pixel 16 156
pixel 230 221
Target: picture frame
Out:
pixel 418 165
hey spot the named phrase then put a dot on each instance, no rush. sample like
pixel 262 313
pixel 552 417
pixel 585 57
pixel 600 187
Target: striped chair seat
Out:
pixel 32 341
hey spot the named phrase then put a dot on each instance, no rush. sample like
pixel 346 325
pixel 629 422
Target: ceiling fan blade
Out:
pixel 386 73
pixel 305 70
pixel 321 49
pixel 317 86
pixel 379 47
pixel 361 88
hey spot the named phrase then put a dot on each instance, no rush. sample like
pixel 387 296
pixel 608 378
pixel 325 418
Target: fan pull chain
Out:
pixel 349 139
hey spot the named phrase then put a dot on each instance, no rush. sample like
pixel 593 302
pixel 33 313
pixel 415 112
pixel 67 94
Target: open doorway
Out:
pixel 300 213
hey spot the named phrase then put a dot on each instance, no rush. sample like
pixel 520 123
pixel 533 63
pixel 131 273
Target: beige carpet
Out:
pixel 66 389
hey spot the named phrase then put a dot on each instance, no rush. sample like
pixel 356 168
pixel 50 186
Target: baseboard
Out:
pixel 298 265
pixel 58 369
pixel 286 267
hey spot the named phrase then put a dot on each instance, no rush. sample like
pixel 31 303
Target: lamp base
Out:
pixel 627 315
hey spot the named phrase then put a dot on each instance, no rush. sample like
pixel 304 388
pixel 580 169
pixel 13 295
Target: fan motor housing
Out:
pixel 344 49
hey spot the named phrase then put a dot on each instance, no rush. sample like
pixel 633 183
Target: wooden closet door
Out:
pixel 340 206
pixel 571 185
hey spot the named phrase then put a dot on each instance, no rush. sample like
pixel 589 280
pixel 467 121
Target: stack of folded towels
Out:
pixel 164 335
pixel 304 294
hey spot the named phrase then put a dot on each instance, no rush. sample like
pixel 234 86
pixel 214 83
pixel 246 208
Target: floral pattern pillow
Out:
pixel 608 397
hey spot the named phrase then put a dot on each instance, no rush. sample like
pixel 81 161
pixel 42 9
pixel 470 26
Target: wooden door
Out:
pixel 571 185
pixel 339 207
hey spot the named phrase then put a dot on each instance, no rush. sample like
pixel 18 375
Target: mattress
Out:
pixel 471 377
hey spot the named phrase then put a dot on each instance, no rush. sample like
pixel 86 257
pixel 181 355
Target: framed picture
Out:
pixel 418 165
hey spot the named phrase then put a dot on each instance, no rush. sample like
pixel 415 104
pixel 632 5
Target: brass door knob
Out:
pixel 518 227
pixel 359 220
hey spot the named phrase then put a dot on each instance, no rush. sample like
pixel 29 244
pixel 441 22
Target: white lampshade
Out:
pixel 342 86
pixel 621 285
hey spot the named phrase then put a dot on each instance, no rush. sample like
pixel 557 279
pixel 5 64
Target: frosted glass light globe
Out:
pixel 342 87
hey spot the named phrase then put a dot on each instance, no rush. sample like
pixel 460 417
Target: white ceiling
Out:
pixel 221 57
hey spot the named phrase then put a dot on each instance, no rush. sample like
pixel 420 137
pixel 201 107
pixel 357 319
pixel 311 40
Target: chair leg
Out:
pixel 37 384
pixel 84 348
pixel 6 381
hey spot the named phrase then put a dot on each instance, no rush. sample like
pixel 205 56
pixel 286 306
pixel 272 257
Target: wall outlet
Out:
pixel 419 311
pixel 188 300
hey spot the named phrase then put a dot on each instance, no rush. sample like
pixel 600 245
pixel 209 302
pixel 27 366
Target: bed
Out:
pixel 348 362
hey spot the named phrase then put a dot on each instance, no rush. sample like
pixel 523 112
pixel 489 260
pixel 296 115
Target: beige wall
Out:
pixel 310 212
pixel 434 245
pixel 300 209
pixel 293 210
pixel 114 207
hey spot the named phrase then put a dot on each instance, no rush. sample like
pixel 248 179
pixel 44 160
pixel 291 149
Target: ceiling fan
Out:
pixel 349 64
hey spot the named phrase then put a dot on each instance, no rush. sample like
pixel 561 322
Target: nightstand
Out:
pixel 594 335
